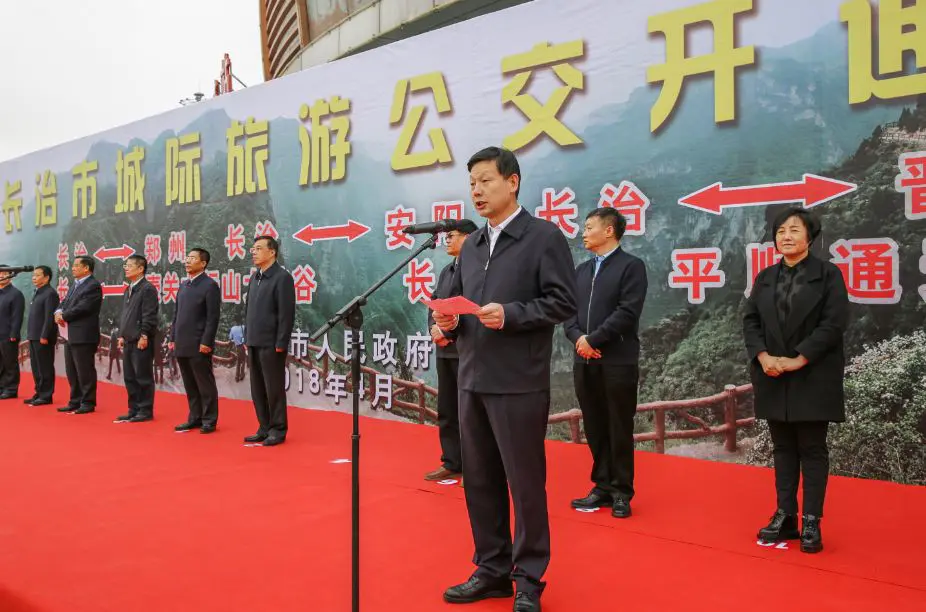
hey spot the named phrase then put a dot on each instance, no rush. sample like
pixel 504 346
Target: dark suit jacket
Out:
pixel 609 309
pixel 814 329
pixel 271 309
pixel 531 274
pixel 12 306
pixel 196 318
pixel 444 283
pixel 81 311
pixel 139 312
pixel 42 315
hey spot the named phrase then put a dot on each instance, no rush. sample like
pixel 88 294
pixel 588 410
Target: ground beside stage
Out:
pixel 96 516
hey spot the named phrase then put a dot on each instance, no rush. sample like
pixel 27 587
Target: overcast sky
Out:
pixel 69 69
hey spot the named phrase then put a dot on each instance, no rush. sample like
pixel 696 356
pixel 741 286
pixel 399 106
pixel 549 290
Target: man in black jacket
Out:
pixel 520 270
pixel 271 312
pixel 612 289
pixel 138 328
pixel 78 316
pixel 12 306
pixel 448 407
pixel 192 340
pixel 42 334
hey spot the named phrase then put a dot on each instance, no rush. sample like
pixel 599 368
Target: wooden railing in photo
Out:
pixel 728 398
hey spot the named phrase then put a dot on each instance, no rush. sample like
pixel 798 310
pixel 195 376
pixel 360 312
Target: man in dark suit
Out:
pixel 611 291
pixel 12 306
pixel 192 340
pixel 521 270
pixel 42 334
pixel 270 315
pixel 79 318
pixel 448 407
pixel 138 328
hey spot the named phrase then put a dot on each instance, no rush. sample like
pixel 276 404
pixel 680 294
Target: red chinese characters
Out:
pixel 446 210
pixel 63 262
pixel 759 256
pixel 234 242
pixel 62 287
pixel 80 249
pixel 176 248
pixel 231 287
pixel 560 209
pixel 153 248
pixel 155 280
pixel 398 219
pixel 697 270
pixel 304 279
pixel 419 280
pixel 871 269
pixel 170 287
pixel 628 200
pixel 266 229
pixel 912 183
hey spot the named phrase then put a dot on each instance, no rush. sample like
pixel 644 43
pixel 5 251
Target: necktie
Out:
pixel 598 260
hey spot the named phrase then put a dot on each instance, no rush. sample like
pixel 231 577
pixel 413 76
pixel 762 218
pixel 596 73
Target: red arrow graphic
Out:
pixel 109 290
pixel 122 252
pixel 351 230
pixel 810 191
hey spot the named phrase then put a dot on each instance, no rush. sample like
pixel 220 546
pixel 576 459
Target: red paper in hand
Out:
pixel 454 306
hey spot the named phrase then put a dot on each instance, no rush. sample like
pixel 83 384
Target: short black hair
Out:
pixel 612 217
pixel 202 253
pixel 811 222
pixel 140 260
pixel 87 262
pixel 465 226
pixel 45 270
pixel 505 162
pixel 271 243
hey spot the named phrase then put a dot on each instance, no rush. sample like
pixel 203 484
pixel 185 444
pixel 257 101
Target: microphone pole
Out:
pixel 351 315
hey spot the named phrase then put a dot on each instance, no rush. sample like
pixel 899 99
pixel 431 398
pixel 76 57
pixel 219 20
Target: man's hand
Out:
pixel 792 364
pixel 770 365
pixel 205 350
pixel 120 343
pixel 446 322
pixel 143 343
pixel 170 346
pixel 585 350
pixel 279 350
pixel 59 318
pixel 43 341
pixel 492 315
pixel 438 337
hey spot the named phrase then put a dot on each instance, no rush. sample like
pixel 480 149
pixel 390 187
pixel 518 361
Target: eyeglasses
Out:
pixel 255 249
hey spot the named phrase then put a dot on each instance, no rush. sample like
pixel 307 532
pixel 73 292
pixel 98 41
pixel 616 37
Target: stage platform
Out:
pixel 96 516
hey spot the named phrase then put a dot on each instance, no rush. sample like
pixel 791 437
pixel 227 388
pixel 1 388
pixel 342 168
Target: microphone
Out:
pixel 16 269
pixel 446 225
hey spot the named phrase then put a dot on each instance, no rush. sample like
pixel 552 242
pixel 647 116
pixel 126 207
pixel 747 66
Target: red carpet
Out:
pixel 96 516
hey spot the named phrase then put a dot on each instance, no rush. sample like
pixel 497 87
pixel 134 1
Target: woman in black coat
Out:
pixel 794 324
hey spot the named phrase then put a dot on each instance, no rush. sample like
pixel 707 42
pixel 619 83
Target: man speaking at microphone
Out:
pixel 520 270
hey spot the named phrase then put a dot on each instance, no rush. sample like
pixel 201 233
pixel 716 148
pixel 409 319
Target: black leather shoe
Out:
pixel 85 410
pixel 621 508
pixel 477 589
pixel 39 402
pixel 207 429
pixel 8 396
pixel 68 409
pixel 525 602
pixel 596 498
pixel 29 401
pixel 783 526
pixel 274 441
pixel 811 537
pixel 141 418
pixel 258 437
pixel 187 426
pixel 123 418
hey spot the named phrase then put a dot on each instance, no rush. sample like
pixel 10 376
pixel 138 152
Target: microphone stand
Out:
pixel 352 316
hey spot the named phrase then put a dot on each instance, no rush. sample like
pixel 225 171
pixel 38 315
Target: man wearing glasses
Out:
pixel 137 330
pixel 78 316
pixel 269 319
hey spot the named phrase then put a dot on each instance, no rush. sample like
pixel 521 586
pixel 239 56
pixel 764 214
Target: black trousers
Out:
pixel 448 414
pixel 9 366
pixel 608 399
pixel 81 372
pixel 268 389
pixel 42 357
pixel 503 448
pixel 138 366
pixel 800 448
pixel 201 392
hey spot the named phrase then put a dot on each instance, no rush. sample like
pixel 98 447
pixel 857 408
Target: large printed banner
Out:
pixel 697 120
